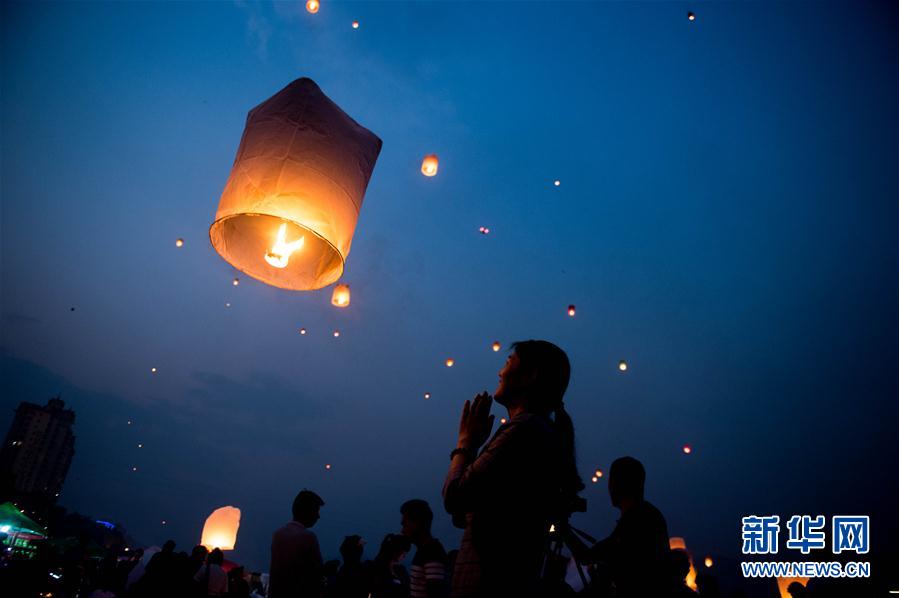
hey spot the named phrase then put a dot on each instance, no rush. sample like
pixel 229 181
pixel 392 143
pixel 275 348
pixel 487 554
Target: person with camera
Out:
pixel 507 495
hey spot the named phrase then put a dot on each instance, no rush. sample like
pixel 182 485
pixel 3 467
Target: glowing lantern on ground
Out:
pixel 571 311
pixel 709 562
pixel 496 346
pixel 784 582
pixel 341 296
pixel 290 206
pixel 687 449
pixel 676 543
pixel 179 242
pixel 429 165
pixel 622 365
pixel 312 6
pixel 450 363
pixel 691 16
pixel 220 530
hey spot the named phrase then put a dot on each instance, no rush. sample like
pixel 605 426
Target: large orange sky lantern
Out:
pixel 290 206
pixel 220 530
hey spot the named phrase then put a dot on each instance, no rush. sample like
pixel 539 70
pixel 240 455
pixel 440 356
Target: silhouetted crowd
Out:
pixel 512 491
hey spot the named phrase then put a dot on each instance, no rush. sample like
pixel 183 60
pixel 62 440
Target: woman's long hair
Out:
pixel 553 370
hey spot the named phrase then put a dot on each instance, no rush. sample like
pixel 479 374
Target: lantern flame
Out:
pixel 280 253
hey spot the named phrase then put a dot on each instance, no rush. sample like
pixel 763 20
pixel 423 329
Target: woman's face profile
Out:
pixel 508 379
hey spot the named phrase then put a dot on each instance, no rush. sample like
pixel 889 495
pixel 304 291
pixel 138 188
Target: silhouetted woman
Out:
pixel 523 479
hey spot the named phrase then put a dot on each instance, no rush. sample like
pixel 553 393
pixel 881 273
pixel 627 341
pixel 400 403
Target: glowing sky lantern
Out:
pixel 220 530
pixel 496 346
pixel 302 331
pixel 571 310
pixel 312 6
pixel 691 16
pixel 341 296
pixel 484 230
pixel 594 479
pixel 336 333
pixel 327 466
pixel 236 281
pixel 502 420
pixel 290 206
pixel 450 363
pixel 622 365
pixel 355 24
pixel 687 449
pixel 152 370
pixel 429 165
pixel 784 582
pixel 708 561
pixel 427 396
pixel 598 473
pixel 557 182
pixel 676 543
pixel 179 242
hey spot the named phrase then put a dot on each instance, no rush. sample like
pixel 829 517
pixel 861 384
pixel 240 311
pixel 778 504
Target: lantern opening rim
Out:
pixel 219 222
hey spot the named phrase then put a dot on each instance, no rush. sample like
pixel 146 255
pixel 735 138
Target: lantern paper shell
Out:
pixel 290 206
pixel 220 530
pixel 341 296
pixel 429 165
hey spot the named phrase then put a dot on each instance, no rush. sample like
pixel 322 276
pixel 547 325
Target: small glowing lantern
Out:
pixel 289 210
pixel 140 445
pixel 594 479
pixel 152 370
pixel 484 230
pixel 236 281
pixel 622 365
pixel 336 333
pixel 691 16
pixel 429 165
pixel 427 396
pixel 327 466
pixel 129 422
pixel 179 242
pixel 571 311
pixel 312 6
pixel 502 420
pixel 598 473
pixel 355 24
pixel 450 363
pixel 557 182
pixel 227 304
pixel 220 530
pixel 341 296
pixel 496 346
pixel 302 331
pixel 134 469
pixel 163 523
pixel 709 562
pixel 687 449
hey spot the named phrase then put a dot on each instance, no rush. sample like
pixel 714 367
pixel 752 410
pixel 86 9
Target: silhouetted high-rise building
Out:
pixel 38 450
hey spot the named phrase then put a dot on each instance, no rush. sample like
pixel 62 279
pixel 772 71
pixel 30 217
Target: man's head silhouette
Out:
pixel 626 479
pixel 306 507
pixel 416 520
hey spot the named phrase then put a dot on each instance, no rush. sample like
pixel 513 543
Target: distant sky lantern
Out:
pixel 312 6
pixel 140 445
pixel 427 396
pixel 302 331
pixel 598 473
pixel 709 562
pixel 691 16
pixel 484 230
pixel 341 296
pixel 622 365
pixel 179 242
pixel 336 333
pixel 502 420
pixel 152 370
pixel 220 530
pixel 571 310
pixel 496 346
pixel 429 165
pixel 134 469
pixel 327 466
pixel 557 182
pixel 290 206
pixel 236 281
pixel 227 304
pixel 687 449
pixel 129 422
pixel 450 363
pixel 355 24
pixel 594 479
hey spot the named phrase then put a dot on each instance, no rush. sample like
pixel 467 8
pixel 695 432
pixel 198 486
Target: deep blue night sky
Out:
pixel 726 222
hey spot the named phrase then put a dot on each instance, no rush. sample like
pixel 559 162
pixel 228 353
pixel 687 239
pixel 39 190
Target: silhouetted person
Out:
pixel 389 579
pixel 796 590
pixel 212 577
pixel 636 554
pixel 296 566
pixel 707 585
pixel 524 478
pixel 427 578
pixel 237 584
pixel 162 571
pixel 352 577
pixel 679 565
